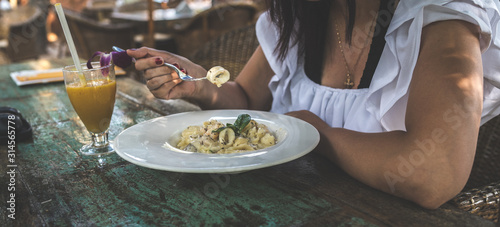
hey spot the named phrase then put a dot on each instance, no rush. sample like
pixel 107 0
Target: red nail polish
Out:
pixel 158 61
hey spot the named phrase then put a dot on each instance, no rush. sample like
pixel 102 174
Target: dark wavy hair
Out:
pixel 311 17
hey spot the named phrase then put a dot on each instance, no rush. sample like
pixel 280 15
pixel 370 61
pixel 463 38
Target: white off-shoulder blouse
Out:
pixel 382 106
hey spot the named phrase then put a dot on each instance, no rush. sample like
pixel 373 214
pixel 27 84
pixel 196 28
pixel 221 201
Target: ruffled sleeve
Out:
pixel 267 35
pixel 388 93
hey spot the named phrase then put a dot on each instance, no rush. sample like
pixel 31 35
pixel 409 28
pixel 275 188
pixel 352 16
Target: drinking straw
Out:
pixel 69 40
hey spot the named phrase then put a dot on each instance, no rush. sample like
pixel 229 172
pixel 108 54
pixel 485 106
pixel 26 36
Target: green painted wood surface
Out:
pixel 56 186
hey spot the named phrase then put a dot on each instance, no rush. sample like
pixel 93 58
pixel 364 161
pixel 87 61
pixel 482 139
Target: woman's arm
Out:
pixel 249 90
pixel 430 162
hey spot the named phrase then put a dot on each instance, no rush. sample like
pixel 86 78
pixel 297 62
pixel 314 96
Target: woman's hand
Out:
pixel 248 91
pixel 324 147
pixel 162 81
pixel 310 118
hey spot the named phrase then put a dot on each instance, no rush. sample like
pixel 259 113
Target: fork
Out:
pixel 182 75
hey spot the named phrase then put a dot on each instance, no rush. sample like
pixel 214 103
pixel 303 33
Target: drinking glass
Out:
pixel 93 99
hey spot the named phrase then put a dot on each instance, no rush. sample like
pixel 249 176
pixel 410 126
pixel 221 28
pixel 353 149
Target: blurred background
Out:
pixel 30 29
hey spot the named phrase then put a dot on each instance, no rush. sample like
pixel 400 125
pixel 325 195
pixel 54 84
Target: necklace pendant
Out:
pixel 348 83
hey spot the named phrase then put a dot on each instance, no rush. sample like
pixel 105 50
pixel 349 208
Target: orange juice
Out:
pixel 93 103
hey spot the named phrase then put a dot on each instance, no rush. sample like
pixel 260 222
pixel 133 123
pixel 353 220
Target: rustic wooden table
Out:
pixel 53 185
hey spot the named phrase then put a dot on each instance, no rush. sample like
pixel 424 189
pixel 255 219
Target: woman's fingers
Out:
pixel 155 69
pixel 157 76
pixel 162 88
pixel 144 52
pixel 148 63
pixel 163 92
pixel 156 82
pixel 162 81
pixel 147 58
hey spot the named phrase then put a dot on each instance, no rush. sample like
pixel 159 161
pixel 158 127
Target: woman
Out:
pixel 397 90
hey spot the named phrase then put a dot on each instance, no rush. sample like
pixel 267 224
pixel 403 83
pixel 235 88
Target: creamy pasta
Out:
pixel 213 137
pixel 218 75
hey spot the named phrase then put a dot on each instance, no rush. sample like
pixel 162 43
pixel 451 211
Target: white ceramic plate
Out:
pixel 144 144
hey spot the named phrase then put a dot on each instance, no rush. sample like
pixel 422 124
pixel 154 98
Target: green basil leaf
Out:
pixel 239 124
pixel 235 129
pixel 219 129
pixel 242 121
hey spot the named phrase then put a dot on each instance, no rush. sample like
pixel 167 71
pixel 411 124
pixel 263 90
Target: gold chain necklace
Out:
pixel 349 83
